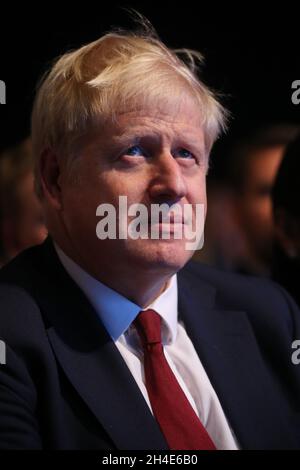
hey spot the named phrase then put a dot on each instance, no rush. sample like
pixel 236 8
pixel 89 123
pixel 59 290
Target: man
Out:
pixel 21 217
pixel 252 166
pixel 106 348
pixel 285 197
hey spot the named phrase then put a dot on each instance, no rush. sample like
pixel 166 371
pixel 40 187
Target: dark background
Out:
pixel 252 56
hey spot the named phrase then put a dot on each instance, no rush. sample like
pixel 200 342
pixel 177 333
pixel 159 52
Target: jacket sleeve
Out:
pixel 18 402
pixel 19 427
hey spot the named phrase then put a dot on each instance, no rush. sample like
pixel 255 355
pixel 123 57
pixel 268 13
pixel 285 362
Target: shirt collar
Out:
pixel 116 311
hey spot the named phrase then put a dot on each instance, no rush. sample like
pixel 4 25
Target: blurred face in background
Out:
pixel 31 227
pixel 23 226
pixel 254 204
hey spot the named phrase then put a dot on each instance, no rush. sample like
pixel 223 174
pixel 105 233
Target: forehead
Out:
pixel 175 120
pixel 178 121
pixel 172 109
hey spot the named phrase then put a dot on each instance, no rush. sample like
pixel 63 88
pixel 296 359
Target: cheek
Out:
pixel 79 208
pixel 262 208
pixel 122 184
pixel 197 191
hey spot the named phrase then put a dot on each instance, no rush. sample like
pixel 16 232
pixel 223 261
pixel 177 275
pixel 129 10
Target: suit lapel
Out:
pixel 92 362
pixel 227 348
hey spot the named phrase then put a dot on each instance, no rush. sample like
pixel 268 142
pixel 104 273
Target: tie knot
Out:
pixel 148 325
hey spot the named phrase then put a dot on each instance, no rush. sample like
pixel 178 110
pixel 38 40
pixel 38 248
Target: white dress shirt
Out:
pixel 117 314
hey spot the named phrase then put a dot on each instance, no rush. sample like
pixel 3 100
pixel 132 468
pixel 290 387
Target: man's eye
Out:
pixel 134 151
pixel 184 153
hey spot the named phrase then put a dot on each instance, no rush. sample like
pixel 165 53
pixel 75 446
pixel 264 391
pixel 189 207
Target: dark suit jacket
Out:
pixel 66 386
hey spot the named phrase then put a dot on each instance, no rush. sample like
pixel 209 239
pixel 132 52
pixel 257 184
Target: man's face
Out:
pixel 152 159
pixel 26 227
pixel 31 224
pixel 255 204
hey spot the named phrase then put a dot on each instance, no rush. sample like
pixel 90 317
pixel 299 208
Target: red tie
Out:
pixel 178 422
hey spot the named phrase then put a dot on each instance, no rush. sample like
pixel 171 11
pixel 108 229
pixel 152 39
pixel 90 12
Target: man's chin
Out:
pixel 169 255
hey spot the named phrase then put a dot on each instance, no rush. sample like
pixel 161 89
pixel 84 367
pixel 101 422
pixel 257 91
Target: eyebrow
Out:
pixel 136 133
pixel 197 148
pixel 142 133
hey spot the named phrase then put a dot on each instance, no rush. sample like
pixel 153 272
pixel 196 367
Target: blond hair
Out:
pixel 119 72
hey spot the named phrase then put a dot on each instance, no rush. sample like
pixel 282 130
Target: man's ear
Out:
pixel 50 177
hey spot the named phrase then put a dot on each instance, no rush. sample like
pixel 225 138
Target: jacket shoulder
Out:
pixel 263 300
pixel 20 311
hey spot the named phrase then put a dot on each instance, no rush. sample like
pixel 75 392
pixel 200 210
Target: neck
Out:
pixel 141 285
pixel 144 293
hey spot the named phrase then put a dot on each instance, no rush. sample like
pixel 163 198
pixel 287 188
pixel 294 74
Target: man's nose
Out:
pixel 168 182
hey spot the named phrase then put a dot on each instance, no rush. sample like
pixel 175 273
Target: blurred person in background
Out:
pixel 286 210
pixel 239 227
pixel 253 165
pixel 21 218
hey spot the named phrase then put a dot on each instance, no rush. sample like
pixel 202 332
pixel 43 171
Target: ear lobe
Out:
pixel 50 175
